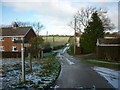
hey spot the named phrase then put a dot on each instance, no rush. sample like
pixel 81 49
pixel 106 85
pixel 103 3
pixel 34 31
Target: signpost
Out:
pixel 22 56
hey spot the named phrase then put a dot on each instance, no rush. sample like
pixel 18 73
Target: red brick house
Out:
pixel 8 48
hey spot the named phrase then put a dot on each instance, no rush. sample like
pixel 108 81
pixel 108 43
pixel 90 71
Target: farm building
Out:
pixel 109 47
pixel 8 35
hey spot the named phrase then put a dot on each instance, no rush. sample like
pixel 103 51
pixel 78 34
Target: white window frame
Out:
pixel 14 38
pixel 13 48
pixel 1 48
pixel 1 38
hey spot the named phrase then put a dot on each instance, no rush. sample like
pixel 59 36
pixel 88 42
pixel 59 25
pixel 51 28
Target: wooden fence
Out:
pixel 110 52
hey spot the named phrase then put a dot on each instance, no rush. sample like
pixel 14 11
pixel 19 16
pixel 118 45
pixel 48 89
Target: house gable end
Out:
pixel 30 34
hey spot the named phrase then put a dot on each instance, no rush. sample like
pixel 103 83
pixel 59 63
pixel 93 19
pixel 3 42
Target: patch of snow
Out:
pixel 68 44
pixel 10 61
pixel 60 50
pixel 110 75
pixel 66 48
pixel 71 63
pixel 62 63
pixel 56 86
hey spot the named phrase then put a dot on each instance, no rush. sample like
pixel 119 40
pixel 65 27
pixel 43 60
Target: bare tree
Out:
pixel 83 16
pixel 36 25
pixel 23 24
pixel 108 25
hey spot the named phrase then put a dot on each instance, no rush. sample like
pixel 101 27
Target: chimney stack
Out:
pixel 14 25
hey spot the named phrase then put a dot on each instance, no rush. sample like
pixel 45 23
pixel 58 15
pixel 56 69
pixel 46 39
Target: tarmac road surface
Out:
pixel 78 74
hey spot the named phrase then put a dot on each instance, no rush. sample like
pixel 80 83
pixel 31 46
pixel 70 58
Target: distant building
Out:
pixel 78 39
pixel 112 35
pixel 8 35
pixel 109 40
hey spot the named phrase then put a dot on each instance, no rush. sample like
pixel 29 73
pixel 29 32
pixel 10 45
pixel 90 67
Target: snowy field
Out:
pixel 40 77
pixel 112 76
pixel 7 62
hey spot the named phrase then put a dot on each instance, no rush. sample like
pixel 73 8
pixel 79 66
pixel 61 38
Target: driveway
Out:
pixel 78 74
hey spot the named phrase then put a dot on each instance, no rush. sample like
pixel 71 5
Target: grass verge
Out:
pixel 103 63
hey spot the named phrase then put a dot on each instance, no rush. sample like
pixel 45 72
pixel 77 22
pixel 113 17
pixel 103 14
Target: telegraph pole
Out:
pixel 75 37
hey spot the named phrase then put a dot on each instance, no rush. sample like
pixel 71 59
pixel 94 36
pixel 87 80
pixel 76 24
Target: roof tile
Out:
pixel 10 31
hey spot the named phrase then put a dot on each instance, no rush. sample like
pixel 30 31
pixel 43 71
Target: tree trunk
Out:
pixel 38 54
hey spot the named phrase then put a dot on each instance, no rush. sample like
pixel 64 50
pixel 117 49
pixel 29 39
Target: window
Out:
pixel 14 48
pixel 1 48
pixel 14 38
pixel 1 39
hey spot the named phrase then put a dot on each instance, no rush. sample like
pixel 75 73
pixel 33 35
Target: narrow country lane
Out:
pixel 77 74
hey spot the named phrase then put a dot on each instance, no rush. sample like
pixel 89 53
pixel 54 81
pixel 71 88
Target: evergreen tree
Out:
pixel 94 30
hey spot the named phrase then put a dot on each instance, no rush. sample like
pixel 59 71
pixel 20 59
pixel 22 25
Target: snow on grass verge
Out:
pixel 71 63
pixel 44 73
pixel 110 75
pixel 104 64
pixel 66 48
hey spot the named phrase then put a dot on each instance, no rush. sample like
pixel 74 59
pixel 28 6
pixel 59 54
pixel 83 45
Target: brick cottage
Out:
pixel 8 35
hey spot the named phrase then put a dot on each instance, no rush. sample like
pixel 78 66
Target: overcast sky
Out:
pixel 55 15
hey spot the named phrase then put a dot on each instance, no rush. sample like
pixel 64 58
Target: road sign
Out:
pixel 20 41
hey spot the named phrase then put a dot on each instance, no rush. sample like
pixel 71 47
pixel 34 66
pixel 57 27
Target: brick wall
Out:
pixel 8 43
